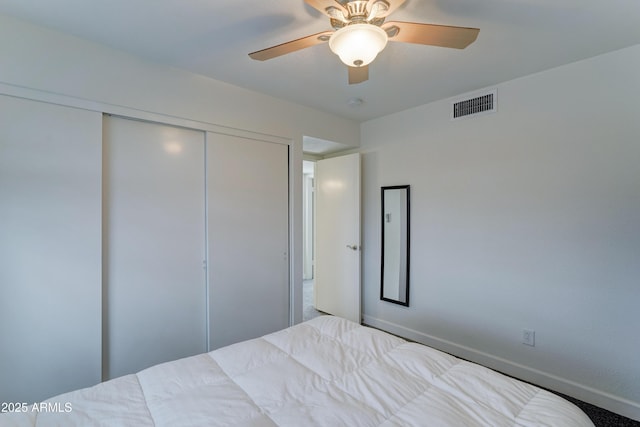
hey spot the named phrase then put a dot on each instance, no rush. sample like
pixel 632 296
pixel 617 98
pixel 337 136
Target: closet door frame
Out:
pixel 294 144
pixel 50 249
pixel 248 220
pixel 153 243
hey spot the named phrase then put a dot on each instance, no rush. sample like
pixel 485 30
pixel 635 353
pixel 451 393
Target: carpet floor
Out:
pixel 601 417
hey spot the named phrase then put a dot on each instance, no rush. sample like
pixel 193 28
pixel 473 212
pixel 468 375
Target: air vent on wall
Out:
pixel 476 104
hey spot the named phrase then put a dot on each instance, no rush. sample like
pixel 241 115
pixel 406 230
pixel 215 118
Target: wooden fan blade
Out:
pixel 322 5
pixel 292 46
pixel 429 34
pixel 358 74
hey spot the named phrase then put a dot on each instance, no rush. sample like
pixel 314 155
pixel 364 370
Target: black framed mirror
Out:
pixel 394 276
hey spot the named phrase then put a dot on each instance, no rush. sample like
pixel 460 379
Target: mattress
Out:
pixel 324 372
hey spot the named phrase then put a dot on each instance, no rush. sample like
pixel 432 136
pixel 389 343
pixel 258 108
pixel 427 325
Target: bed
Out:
pixel 324 372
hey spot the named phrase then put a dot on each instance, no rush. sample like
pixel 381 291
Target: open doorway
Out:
pixel 314 150
pixel 308 241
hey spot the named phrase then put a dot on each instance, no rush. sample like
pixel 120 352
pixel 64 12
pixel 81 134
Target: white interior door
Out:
pixel 50 249
pixel 248 229
pixel 337 263
pixel 154 244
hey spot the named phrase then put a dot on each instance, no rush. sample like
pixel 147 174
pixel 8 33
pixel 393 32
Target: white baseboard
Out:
pixel 579 391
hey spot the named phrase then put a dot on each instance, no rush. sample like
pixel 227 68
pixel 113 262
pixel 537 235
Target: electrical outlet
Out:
pixel 529 337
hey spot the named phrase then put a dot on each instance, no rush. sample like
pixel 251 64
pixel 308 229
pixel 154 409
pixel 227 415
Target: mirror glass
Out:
pixel 395 245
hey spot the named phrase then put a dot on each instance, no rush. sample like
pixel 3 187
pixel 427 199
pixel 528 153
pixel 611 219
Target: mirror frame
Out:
pixel 382 243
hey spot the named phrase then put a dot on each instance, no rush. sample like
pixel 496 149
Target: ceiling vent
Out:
pixel 475 105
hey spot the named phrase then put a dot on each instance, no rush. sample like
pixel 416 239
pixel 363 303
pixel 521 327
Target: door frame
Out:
pixel 295 144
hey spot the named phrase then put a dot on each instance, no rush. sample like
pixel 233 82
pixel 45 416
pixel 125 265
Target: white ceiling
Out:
pixel 213 38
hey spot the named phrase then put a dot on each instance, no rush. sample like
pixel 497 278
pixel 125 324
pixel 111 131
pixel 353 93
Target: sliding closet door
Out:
pixel 247 183
pixel 154 244
pixel 50 201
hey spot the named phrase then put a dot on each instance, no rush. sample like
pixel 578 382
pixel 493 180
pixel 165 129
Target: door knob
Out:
pixel 353 247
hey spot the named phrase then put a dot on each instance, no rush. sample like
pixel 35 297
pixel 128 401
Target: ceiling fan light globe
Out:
pixel 358 45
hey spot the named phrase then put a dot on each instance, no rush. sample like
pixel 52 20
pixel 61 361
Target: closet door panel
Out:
pixel 50 249
pixel 155 235
pixel 247 190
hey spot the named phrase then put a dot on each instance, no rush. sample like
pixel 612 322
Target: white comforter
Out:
pixel 325 372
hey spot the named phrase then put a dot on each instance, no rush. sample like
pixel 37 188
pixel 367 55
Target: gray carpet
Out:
pixel 601 417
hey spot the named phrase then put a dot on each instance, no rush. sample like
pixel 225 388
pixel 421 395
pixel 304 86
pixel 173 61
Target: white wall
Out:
pixel 527 218
pixel 46 65
pixel 38 58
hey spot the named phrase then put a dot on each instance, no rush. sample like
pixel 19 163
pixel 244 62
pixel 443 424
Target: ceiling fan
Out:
pixel 360 33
